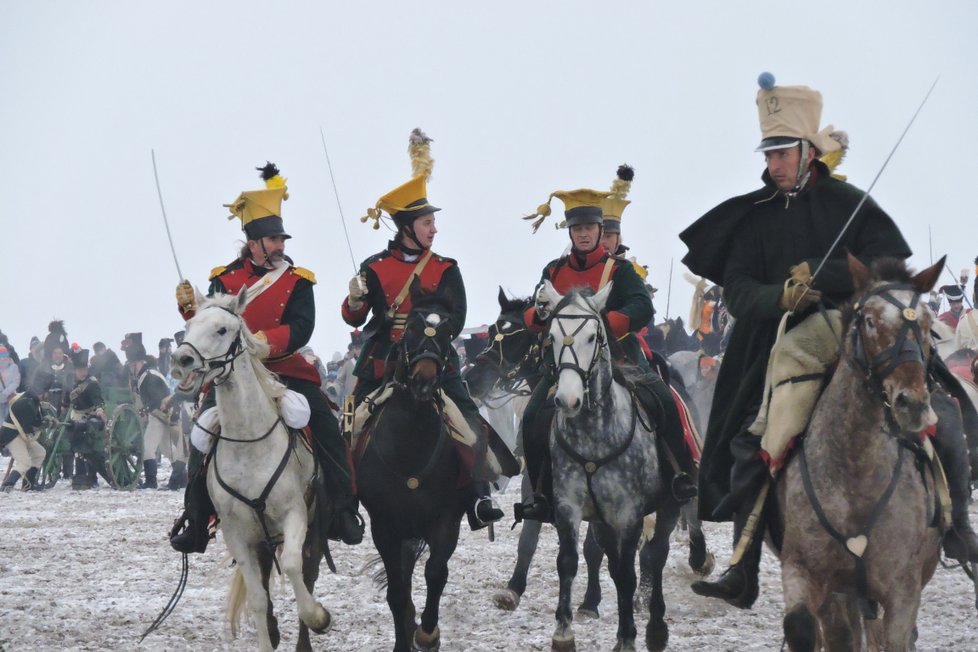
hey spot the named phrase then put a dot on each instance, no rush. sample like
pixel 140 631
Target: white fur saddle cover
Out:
pixel 293 408
pixel 796 370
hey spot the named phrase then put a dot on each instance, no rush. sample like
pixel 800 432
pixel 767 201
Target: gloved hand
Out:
pixel 186 298
pixel 358 291
pixel 797 297
pixel 542 305
pixel 801 274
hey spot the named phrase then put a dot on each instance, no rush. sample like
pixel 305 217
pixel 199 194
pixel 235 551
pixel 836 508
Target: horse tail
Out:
pixel 237 600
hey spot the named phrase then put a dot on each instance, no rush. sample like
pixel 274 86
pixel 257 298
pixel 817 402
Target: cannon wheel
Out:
pixel 124 447
pixel 52 438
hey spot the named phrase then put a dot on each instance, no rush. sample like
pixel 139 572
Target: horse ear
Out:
pixel 548 292
pixel 600 298
pixel 861 276
pixel 927 279
pixel 240 303
pixel 198 297
pixel 503 300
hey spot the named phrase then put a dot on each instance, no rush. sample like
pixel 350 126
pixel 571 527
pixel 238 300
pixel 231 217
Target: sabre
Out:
pixel 166 222
pixel 669 290
pixel 872 185
pixel 356 268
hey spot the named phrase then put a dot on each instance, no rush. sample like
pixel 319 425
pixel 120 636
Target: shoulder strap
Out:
pixel 609 266
pixel 399 299
pixel 13 417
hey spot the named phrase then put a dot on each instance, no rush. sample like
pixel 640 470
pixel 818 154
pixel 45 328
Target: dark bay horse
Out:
pixel 511 363
pixel 858 505
pixel 408 474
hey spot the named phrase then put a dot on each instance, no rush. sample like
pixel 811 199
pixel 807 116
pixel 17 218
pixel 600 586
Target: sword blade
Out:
pixel 166 222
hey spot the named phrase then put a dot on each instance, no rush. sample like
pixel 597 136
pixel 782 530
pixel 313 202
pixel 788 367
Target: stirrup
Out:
pixel 683 488
pixel 537 509
pixel 491 509
pixel 338 532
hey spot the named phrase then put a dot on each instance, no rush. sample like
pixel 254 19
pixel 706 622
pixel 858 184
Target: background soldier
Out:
pixel 86 428
pixel 20 430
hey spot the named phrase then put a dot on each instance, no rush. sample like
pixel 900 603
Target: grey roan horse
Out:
pixel 864 525
pixel 605 468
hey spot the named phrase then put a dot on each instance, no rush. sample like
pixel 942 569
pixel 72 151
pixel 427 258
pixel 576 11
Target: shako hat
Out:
pixel 790 114
pixel 953 292
pixel 408 201
pixel 41 381
pixel 56 338
pixel 132 345
pixel 614 204
pixel 581 206
pixel 260 211
pixel 79 358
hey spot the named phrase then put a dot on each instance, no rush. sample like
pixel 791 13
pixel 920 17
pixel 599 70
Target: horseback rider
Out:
pixel 20 430
pixel 86 423
pixel 955 305
pixel 281 311
pixel 629 309
pixel 763 248
pixel 381 289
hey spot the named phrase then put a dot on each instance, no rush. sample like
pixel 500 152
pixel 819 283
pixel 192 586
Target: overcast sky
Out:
pixel 521 98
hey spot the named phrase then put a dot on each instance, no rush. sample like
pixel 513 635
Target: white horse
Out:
pixel 260 478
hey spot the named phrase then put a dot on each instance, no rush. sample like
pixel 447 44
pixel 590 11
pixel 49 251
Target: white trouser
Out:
pixel 168 439
pixel 27 454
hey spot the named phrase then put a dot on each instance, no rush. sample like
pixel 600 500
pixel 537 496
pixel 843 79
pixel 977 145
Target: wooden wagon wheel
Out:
pixel 55 445
pixel 124 447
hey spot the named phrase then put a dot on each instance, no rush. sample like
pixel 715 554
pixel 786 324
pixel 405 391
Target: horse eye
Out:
pixel 869 322
pixel 591 339
pixel 222 331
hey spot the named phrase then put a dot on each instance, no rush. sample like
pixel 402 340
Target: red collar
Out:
pixel 590 260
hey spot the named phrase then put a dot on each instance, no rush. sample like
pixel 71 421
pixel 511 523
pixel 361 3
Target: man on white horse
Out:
pixel 280 311
pixel 763 249
pixel 628 310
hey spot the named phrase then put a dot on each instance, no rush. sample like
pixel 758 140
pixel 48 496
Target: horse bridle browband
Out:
pixel 903 350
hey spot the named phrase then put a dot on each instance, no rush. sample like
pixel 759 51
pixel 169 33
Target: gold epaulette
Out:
pixel 640 270
pixel 217 271
pixel 302 272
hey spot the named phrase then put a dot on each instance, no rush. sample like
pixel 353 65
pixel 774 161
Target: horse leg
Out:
pixel 311 613
pixel 700 558
pixel 621 547
pixel 509 598
pixel 654 556
pixel 593 554
pixel 900 615
pixel 266 557
pixel 567 527
pixel 398 595
pixel 801 602
pixel 441 544
pixel 841 624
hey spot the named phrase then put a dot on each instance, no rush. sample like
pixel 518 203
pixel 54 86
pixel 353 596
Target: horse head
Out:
pixel 426 344
pixel 510 343
pixel 578 340
pixel 889 337
pixel 215 337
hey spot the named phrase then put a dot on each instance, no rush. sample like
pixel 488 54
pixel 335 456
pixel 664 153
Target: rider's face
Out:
pixel 611 241
pixel 424 230
pixel 782 165
pixel 584 237
pixel 273 252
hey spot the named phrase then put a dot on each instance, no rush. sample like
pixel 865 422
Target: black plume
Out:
pixel 268 171
pixel 626 172
pixel 57 327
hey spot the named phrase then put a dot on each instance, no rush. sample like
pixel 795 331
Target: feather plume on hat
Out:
pixel 419 148
pixel 834 158
pixel 623 182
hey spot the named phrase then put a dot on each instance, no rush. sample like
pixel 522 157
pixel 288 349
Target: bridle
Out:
pixel 557 319
pixel 903 350
pixel 224 361
pixel 494 356
pixel 429 348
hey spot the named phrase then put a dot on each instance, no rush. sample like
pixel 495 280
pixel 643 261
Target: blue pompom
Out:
pixel 765 80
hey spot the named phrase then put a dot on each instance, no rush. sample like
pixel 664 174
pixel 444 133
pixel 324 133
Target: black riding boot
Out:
pixel 67 466
pixel 536 445
pixel 149 471
pixel 178 477
pixel 960 541
pixel 483 509
pixel 189 533
pixel 738 585
pixel 11 482
pixel 658 400
pixel 30 480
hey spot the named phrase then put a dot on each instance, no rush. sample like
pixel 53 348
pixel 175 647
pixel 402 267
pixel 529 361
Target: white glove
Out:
pixel 210 419
pixel 542 305
pixel 295 409
pixel 357 292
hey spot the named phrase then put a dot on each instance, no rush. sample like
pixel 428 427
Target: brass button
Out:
pixel 412 483
pixel 499 337
pixel 568 340
pixel 910 314
pixel 429 331
pixel 590 467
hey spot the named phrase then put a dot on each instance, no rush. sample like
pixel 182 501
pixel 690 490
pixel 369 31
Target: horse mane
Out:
pixel 256 349
pixel 435 301
pixel 516 305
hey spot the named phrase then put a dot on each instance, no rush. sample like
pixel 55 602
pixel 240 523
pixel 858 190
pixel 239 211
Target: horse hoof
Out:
pixel 621 646
pixel 506 599
pixel 588 612
pixel 424 642
pixel 707 567
pixel 656 638
pixel 322 622
pixel 563 644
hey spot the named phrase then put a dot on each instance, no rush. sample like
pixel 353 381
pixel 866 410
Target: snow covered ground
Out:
pixel 90 570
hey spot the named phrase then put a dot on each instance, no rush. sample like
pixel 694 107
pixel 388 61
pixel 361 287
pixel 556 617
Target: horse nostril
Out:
pixel 901 401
